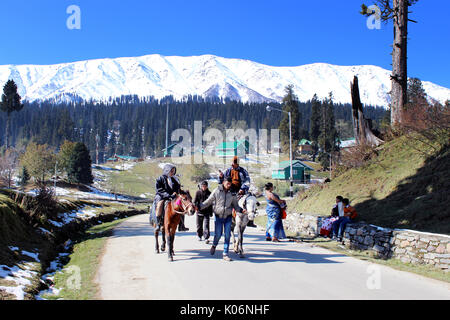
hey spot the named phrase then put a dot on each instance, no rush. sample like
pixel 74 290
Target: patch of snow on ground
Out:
pixel 125 166
pixel 44 231
pixel 18 276
pixel 52 291
pixel 32 255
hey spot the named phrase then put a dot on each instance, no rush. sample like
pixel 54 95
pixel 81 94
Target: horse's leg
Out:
pixel 173 241
pixel 169 245
pixel 163 234
pixel 241 240
pixel 156 242
pixel 233 226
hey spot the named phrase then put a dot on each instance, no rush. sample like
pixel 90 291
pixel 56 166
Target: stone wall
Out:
pixel 407 245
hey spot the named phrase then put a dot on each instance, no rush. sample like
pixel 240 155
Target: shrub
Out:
pixel 44 205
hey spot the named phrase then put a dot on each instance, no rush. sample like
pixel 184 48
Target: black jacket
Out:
pixel 163 190
pixel 200 197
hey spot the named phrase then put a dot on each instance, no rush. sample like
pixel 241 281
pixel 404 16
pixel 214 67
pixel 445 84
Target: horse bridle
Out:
pixel 183 202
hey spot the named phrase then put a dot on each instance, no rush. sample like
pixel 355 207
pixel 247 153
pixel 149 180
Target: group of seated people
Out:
pixel 341 214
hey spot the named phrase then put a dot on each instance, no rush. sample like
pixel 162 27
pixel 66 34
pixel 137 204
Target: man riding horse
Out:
pixel 167 188
pixel 239 177
pixel 240 181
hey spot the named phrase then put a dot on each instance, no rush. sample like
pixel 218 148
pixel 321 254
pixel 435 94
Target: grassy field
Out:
pixel 400 188
pixel 84 262
pixel 141 178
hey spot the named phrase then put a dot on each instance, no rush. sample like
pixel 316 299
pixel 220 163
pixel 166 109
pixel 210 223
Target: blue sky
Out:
pixel 273 32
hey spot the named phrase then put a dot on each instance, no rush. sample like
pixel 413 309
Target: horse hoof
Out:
pixel 171 259
pixel 163 248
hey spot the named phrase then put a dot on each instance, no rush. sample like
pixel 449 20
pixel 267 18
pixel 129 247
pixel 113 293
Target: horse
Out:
pixel 240 220
pixel 173 210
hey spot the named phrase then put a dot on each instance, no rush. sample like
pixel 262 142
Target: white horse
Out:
pixel 249 203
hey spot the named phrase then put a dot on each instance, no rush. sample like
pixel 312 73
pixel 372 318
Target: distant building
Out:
pixel 238 148
pixel 301 172
pixel 305 147
pixel 116 158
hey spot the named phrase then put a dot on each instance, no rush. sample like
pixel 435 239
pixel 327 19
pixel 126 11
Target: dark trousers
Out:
pixel 203 226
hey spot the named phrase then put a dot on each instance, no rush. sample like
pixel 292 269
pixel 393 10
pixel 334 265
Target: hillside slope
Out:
pixel 401 188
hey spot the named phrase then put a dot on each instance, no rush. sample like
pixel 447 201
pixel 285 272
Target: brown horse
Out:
pixel 182 204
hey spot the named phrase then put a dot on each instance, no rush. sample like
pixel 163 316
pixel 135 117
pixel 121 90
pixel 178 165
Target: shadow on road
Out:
pixel 265 252
pixel 255 256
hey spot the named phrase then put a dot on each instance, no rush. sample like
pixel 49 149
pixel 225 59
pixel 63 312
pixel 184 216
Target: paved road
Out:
pixel 131 270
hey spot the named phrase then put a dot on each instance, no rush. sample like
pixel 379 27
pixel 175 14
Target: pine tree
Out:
pixel 315 124
pixel 328 138
pixel 416 92
pixel 10 102
pixel 79 167
pixel 290 104
pixel 24 177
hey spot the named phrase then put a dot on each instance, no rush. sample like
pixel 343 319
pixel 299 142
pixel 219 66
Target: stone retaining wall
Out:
pixel 407 245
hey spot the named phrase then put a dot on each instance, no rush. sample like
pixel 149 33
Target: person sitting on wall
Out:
pixel 337 211
pixel 327 224
pixel 349 215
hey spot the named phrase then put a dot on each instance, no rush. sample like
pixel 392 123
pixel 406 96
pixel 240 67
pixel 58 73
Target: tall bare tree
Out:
pixel 362 127
pixel 397 11
pixel 8 163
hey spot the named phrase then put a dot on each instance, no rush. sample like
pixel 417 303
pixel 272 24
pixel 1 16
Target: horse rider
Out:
pixel 240 181
pixel 239 177
pixel 167 187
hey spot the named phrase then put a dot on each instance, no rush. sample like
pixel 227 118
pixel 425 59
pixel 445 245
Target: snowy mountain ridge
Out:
pixel 206 75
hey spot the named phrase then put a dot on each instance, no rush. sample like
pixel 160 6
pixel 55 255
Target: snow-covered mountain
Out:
pixel 207 76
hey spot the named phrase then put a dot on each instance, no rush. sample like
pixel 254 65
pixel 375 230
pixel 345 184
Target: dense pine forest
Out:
pixel 134 126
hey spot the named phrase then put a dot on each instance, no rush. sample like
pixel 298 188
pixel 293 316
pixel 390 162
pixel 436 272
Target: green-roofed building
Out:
pixel 305 147
pixel 116 158
pixel 300 171
pixel 230 149
pixel 127 158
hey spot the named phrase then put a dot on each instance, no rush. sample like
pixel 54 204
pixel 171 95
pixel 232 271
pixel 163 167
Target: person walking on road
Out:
pixel 274 229
pixel 223 202
pixel 203 216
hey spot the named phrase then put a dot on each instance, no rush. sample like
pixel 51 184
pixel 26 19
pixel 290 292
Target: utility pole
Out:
pixel 331 159
pixel 167 129
pixel 290 156
pixel 291 188
pixel 97 139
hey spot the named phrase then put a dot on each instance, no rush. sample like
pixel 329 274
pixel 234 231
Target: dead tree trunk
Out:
pixel 362 127
pixel 399 77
